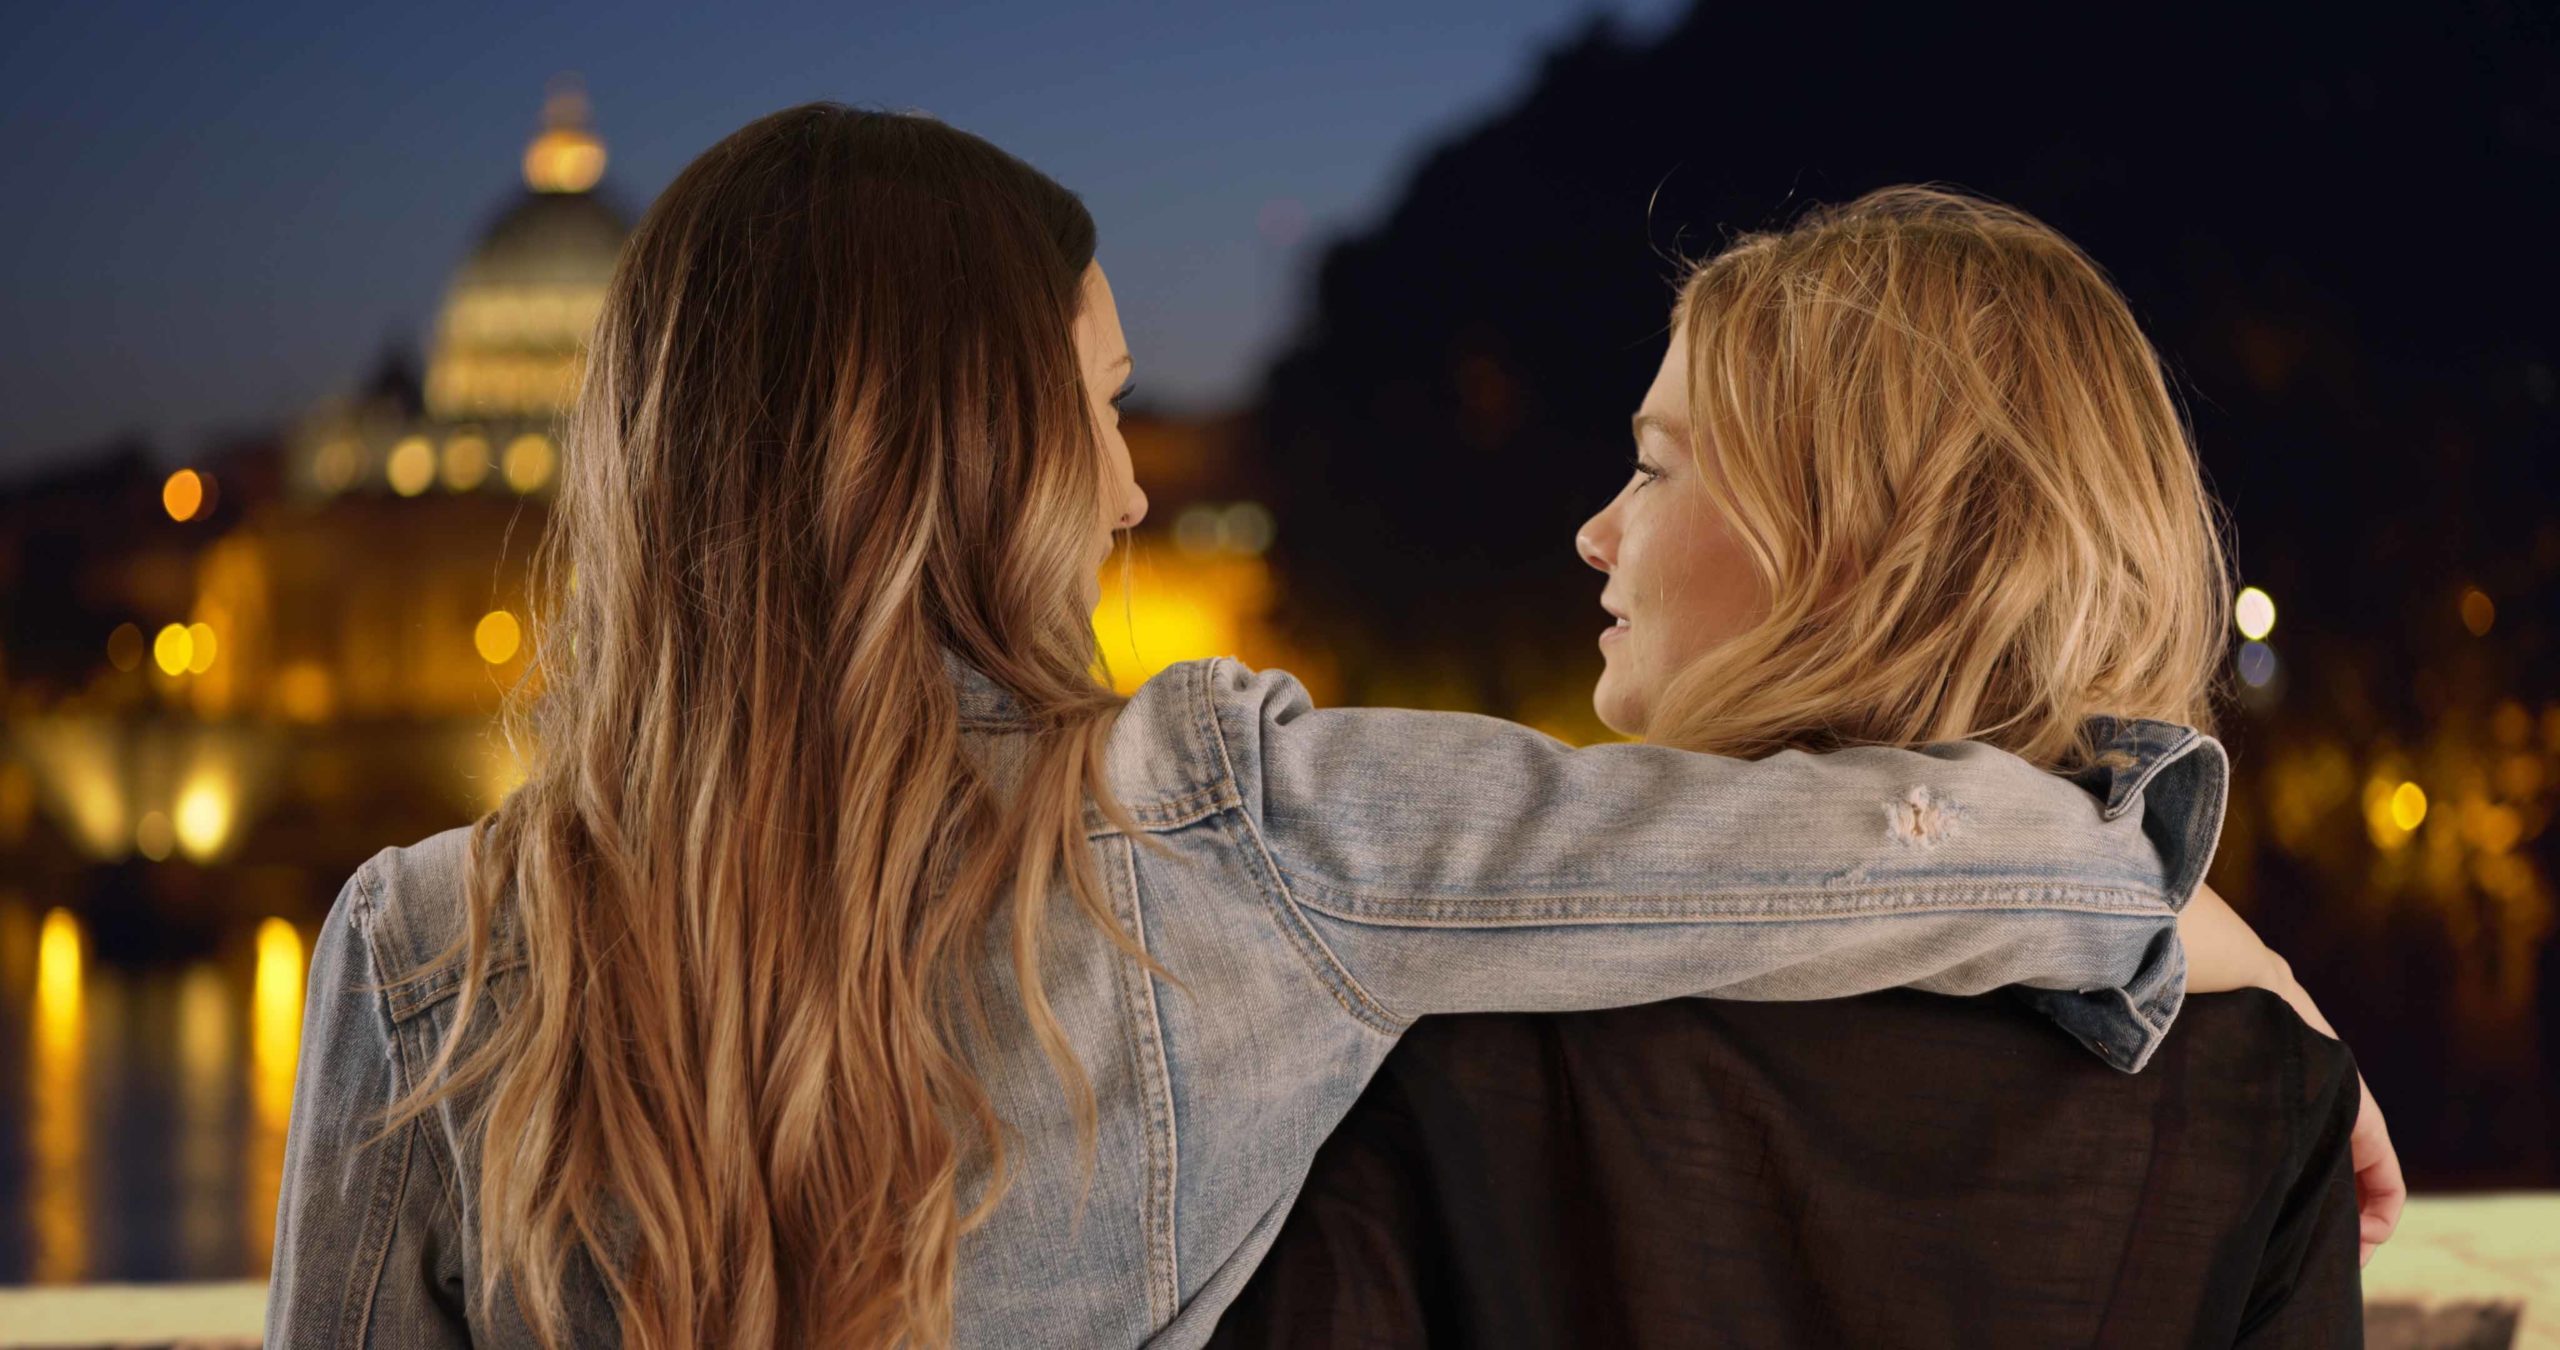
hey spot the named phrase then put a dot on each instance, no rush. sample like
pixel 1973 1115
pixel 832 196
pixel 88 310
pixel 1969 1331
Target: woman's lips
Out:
pixel 1613 632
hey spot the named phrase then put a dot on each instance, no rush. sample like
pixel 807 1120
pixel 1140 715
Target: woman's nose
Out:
pixel 1586 542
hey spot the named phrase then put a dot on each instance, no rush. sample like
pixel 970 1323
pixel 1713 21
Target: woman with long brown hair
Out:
pixel 854 967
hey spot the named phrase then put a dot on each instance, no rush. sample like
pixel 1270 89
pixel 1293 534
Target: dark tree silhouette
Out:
pixel 2336 222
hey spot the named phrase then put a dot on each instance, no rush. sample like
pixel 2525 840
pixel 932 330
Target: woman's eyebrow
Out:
pixel 1645 422
pixel 1126 362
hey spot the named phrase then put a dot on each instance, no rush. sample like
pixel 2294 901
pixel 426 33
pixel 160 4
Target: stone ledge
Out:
pixel 2471 1272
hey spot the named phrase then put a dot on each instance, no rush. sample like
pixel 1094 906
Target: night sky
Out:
pixel 220 213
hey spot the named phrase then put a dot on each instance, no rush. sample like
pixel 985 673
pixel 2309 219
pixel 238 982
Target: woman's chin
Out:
pixel 1617 709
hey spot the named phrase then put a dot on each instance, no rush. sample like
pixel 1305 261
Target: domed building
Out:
pixel 508 348
pixel 315 663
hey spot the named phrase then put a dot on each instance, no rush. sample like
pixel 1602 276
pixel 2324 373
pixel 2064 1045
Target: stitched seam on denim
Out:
pixel 408 1000
pixel 1165 817
pixel 356 1320
pixel 1164 1255
pixel 1304 940
pixel 451 1178
pixel 403 998
pixel 1283 907
pixel 1827 903
pixel 381 1213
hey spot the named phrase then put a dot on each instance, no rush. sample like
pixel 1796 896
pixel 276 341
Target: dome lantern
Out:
pixel 566 157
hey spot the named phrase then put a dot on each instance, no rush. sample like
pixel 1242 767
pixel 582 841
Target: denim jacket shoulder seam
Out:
pixel 382 1209
pixel 406 1075
pixel 409 994
pixel 1164 1283
pixel 1496 911
pixel 1337 978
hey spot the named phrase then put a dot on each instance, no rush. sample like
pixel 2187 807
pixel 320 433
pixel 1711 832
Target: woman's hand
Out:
pixel 2224 953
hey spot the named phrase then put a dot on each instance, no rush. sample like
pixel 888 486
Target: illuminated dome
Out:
pixel 510 337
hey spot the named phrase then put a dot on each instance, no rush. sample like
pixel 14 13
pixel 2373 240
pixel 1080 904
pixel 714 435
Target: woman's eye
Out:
pixel 1646 475
pixel 1123 396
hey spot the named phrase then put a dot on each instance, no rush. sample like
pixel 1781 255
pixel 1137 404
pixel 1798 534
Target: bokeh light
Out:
pixel 125 647
pixel 183 495
pixel 333 469
pixel 154 836
pixel 2479 612
pixel 497 636
pixel 172 649
pixel 2254 612
pixel 466 462
pixel 203 818
pixel 306 691
pixel 411 467
pixel 2257 664
pixel 2408 806
pixel 528 462
pixel 200 648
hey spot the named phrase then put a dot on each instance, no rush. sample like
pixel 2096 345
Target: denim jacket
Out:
pixel 1316 880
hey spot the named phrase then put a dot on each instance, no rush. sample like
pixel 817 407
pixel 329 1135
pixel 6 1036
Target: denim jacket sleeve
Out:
pixel 1452 863
pixel 364 1252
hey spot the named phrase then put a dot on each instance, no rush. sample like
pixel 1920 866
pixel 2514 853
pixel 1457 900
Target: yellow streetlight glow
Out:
pixel 497 637
pixel 204 818
pixel 58 964
pixel 58 1126
pixel 172 649
pixel 199 648
pixel 2408 806
pixel 2255 613
pixel 182 495
pixel 275 1020
pixel 412 466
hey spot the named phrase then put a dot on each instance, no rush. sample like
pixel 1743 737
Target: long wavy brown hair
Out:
pixel 711 1036
pixel 1958 468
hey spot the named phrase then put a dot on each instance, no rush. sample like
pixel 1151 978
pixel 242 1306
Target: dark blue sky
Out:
pixel 217 213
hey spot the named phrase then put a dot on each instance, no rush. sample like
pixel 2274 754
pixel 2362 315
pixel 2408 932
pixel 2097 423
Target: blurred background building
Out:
pixel 228 680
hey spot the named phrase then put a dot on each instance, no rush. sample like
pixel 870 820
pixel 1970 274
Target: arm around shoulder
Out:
pixel 1453 862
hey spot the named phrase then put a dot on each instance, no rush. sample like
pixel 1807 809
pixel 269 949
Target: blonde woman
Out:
pixel 1909 474
pixel 855 968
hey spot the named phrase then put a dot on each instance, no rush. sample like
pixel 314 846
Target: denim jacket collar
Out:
pixel 2130 751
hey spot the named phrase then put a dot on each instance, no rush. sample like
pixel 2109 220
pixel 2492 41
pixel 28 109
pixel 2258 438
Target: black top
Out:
pixel 1899 1169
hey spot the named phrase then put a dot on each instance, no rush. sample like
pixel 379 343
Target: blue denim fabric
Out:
pixel 1316 880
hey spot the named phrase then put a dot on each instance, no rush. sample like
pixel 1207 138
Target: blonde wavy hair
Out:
pixel 716 984
pixel 1955 463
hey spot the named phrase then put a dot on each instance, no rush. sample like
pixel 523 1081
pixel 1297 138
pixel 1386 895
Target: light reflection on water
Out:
pixel 275 1038
pixel 142 1115
pixel 58 1090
